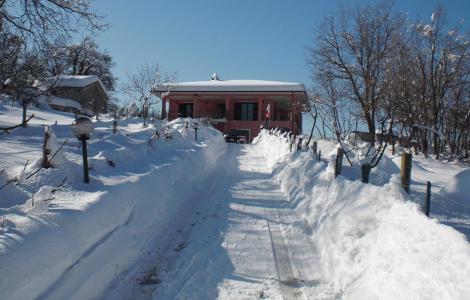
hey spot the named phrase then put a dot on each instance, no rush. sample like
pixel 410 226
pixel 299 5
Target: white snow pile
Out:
pixel 372 243
pixel 64 102
pixel 63 239
pixel 458 188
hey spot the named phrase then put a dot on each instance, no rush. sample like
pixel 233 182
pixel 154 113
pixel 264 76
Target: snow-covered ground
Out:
pixel 70 244
pixel 179 219
pixel 277 225
pixel 372 243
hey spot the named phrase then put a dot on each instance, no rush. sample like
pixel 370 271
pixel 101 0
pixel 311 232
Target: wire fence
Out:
pixel 447 211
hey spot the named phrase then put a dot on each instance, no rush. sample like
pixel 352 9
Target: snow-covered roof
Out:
pixel 232 86
pixel 75 80
pixel 78 81
pixel 64 102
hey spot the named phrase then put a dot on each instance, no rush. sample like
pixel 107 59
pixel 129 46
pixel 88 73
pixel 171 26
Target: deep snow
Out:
pixel 73 243
pixel 178 219
pixel 372 243
pixel 274 224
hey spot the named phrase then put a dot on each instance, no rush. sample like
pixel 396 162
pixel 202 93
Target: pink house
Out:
pixel 237 107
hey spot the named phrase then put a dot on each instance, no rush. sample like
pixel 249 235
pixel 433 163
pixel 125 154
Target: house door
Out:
pixel 185 110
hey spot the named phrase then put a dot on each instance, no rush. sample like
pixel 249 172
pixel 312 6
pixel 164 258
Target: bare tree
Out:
pixel 351 63
pixel 83 58
pixel 313 113
pixel 440 53
pixel 25 74
pixel 25 28
pixel 142 82
pixel 41 20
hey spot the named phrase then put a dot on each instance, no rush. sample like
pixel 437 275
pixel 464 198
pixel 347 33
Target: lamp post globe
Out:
pixel 82 128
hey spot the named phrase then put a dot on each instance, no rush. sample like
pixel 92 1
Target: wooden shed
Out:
pixel 88 90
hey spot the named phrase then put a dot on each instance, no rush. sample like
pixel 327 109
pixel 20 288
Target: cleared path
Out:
pixel 232 242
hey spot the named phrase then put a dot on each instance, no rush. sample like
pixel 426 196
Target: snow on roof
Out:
pixel 64 102
pixel 78 81
pixel 232 86
pixel 75 80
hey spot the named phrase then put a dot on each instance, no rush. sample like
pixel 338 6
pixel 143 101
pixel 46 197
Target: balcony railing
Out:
pixel 227 115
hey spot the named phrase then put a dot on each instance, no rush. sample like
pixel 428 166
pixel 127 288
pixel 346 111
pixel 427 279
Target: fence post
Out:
pixel 365 173
pixel 428 198
pixel 339 162
pixel 45 150
pixel 299 144
pixel 292 141
pixel 319 155
pixel 405 172
pixel 115 128
pixel 314 147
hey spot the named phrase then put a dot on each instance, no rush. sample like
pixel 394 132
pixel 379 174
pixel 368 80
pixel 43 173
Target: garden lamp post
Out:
pixel 196 127
pixel 83 128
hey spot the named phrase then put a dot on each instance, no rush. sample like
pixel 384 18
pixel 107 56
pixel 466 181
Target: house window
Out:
pixel 246 111
pixel 185 110
pixel 220 111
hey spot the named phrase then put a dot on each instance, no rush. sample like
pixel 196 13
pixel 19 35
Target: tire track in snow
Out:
pixel 161 250
pixel 289 283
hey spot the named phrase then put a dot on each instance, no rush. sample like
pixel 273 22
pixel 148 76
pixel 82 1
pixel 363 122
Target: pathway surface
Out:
pixel 232 242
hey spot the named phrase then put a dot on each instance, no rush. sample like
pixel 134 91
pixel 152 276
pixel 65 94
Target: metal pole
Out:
pixel 299 144
pixel 365 173
pixel 115 129
pixel 428 198
pixel 195 134
pixel 24 103
pixel 86 178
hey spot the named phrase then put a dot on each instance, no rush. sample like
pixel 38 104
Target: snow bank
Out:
pixel 458 188
pixel 372 243
pixel 71 242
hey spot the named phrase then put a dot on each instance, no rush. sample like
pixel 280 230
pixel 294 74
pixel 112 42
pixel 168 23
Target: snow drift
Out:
pixel 372 243
pixel 70 243
pixel 458 188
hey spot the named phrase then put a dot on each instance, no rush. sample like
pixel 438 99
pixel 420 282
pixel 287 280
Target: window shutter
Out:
pixel 255 111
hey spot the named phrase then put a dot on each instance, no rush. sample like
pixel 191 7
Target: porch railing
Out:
pixel 205 114
pixel 227 115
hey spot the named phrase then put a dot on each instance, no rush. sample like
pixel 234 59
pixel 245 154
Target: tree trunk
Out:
pixel 436 145
pixel 24 104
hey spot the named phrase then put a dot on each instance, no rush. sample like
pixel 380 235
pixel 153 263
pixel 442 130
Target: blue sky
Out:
pixel 243 39
pixel 239 39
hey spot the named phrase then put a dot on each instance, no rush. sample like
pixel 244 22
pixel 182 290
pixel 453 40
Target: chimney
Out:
pixel 215 76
